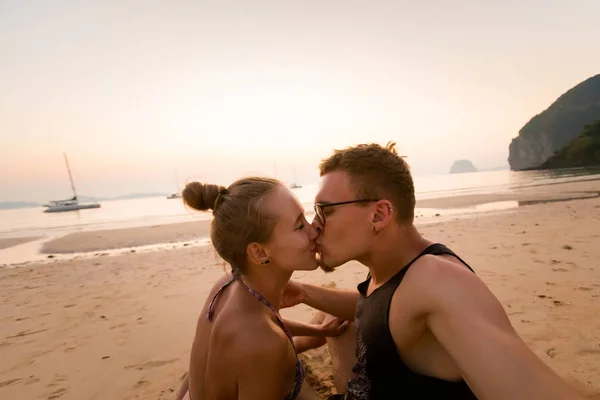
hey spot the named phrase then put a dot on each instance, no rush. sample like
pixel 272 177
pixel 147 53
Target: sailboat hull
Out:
pixel 69 207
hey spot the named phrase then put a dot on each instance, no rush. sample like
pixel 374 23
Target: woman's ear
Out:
pixel 257 254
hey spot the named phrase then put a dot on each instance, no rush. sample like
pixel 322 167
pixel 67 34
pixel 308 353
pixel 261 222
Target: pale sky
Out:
pixel 132 90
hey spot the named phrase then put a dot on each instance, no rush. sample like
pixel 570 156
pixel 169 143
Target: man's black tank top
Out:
pixel 380 372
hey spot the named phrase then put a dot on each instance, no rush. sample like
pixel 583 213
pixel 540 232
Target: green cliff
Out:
pixel 583 151
pixel 553 129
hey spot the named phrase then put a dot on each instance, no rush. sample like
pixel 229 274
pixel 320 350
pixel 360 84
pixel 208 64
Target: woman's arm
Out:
pixel 304 343
pixel 332 326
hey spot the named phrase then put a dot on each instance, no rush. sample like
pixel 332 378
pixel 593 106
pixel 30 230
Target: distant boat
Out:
pixel 69 204
pixel 178 194
pixel 295 185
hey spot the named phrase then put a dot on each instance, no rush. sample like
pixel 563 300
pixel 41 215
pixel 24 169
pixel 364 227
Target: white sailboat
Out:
pixel 176 195
pixel 69 204
pixel 295 185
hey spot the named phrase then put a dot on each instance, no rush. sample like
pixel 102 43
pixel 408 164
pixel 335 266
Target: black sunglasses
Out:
pixel 320 207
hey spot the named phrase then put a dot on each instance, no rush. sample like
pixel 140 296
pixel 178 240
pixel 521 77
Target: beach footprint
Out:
pixel 57 393
pixel 551 352
pixel 151 364
pixel 31 380
pixel 141 383
pixel 9 382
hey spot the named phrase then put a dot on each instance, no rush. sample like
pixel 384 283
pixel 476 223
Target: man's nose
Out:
pixel 316 223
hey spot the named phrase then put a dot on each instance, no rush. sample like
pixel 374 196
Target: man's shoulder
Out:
pixel 438 269
pixel 435 278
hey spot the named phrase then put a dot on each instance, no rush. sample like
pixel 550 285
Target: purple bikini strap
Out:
pixel 236 277
pixel 209 314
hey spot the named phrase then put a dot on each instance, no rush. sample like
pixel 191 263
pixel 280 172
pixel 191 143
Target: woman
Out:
pixel 242 349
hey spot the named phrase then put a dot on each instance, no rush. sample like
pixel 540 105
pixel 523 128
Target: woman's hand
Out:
pixel 329 327
pixel 333 326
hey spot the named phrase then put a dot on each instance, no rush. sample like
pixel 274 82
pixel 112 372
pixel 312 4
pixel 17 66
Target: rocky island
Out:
pixel 462 166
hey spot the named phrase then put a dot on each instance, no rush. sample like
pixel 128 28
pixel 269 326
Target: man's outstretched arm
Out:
pixel 340 303
pixel 471 324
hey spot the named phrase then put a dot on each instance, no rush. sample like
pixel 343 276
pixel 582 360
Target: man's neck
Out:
pixel 392 251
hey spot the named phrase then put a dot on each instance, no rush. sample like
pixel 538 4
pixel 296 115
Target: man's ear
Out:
pixel 257 253
pixel 384 213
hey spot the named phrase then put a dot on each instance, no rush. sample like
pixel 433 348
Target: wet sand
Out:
pixel 10 242
pixel 588 188
pixel 129 237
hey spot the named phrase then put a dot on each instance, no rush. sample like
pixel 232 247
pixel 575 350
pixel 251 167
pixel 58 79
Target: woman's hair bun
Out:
pixel 201 196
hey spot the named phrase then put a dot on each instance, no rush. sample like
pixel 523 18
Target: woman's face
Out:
pixel 292 246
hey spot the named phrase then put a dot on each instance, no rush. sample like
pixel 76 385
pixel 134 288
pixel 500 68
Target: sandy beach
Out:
pixel 120 327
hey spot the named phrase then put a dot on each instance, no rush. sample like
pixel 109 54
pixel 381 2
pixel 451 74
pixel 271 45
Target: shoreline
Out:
pixel 24 251
pixel 114 242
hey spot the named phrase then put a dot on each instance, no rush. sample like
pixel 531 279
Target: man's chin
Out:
pixel 326 268
pixel 324 265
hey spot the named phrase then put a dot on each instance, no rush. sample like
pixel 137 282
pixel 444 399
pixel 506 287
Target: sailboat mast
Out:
pixel 70 176
pixel 177 180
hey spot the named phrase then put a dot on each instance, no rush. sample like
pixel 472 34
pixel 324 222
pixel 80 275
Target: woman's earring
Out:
pixel 267 261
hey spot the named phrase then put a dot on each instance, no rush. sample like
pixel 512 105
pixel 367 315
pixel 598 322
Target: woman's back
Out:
pixel 235 349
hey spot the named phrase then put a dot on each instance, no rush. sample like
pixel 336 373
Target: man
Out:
pixel 427 326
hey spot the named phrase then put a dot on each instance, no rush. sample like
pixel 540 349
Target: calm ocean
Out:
pixel 159 210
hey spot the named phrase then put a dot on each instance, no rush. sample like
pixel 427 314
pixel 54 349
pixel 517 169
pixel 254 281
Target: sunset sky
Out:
pixel 133 90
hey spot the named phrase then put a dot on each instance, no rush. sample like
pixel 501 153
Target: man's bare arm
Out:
pixel 340 303
pixel 471 324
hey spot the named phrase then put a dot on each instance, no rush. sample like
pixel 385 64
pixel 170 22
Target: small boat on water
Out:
pixel 69 204
pixel 176 195
pixel 295 185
